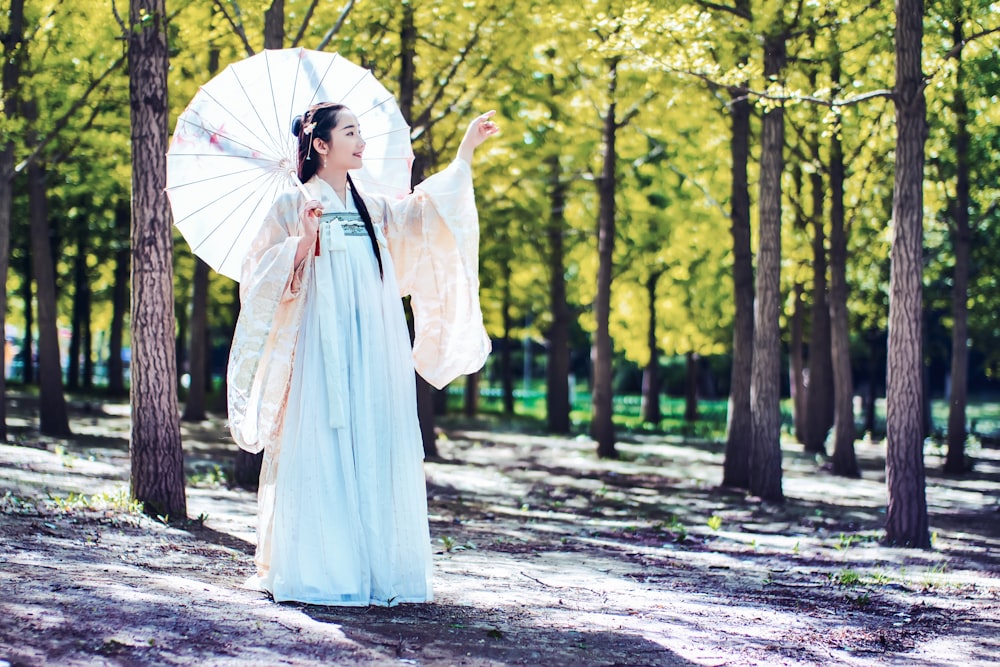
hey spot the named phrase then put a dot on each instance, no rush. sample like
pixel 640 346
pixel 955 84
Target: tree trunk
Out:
pixel 602 427
pixel 53 418
pixel 906 518
pixel 873 368
pixel 81 285
pixel 88 341
pixel 961 241
pixel 274 25
pixel 796 365
pixel 13 40
pixel 650 406
pixel 119 302
pixel 557 406
pixel 765 453
pixel 736 466
pixel 506 363
pixel 407 94
pixel 819 398
pixel 691 387
pixel 155 445
pixel 845 462
pixel 472 394
pixel 28 298
pixel 194 408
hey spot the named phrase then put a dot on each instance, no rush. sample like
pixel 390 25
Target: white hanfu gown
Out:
pixel 321 378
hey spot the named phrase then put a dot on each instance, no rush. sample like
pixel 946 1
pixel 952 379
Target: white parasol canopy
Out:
pixel 233 150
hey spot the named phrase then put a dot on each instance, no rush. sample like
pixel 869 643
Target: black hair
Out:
pixel 318 122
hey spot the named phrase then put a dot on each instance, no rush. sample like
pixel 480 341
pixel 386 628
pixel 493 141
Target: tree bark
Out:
pixel 691 387
pixel 472 394
pixel 961 239
pixel 506 363
pixel 53 417
pixel 796 364
pixel 155 445
pixel 602 427
pixel 28 298
pixel 407 94
pixel 819 398
pixel 736 466
pixel 650 407
pixel 12 40
pixel 765 453
pixel 906 517
pixel 557 406
pixel 119 302
pixel 81 284
pixel 194 407
pixel 845 462
pixel 274 25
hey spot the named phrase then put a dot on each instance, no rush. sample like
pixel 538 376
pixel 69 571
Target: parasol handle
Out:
pixel 295 179
pixel 305 193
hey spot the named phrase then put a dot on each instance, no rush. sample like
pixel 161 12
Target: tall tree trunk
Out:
pixel 906 517
pixel 506 363
pixel 961 240
pixel 155 445
pixel 736 466
pixel 28 298
pixel 194 408
pixel 691 387
pixel 819 398
pixel 873 372
pixel 845 462
pixel 650 406
pixel 472 394
pixel 81 284
pixel 274 25
pixel 602 427
pixel 119 301
pixel 407 94
pixel 557 381
pixel 12 40
pixel 53 418
pixel 87 341
pixel 765 454
pixel 796 364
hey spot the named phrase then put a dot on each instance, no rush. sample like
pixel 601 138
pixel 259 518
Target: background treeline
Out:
pixel 710 182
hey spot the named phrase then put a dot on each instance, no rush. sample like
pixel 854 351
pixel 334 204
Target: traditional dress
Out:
pixel 321 378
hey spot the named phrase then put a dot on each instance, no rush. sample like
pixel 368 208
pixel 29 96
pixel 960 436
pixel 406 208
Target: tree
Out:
pixel 961 242
pixel 13 49
pixel 906 517
pixel 155 443
pixel 765 383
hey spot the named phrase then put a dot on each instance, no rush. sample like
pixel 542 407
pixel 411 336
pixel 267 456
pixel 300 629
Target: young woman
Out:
pixel 321 372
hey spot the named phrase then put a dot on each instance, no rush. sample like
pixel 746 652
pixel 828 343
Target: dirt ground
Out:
pixel 544 555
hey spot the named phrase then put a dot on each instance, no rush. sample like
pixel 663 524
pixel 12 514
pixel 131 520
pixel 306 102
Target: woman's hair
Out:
pixel 319 121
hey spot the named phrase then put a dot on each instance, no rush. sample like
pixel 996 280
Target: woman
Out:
pixel 321 368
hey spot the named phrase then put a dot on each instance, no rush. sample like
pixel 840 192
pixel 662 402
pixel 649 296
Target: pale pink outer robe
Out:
pixel 429 242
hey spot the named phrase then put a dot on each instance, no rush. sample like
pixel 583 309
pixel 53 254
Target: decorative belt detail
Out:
pixel 350 223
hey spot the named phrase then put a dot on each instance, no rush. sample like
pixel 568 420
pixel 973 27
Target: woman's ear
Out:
pixel 320 146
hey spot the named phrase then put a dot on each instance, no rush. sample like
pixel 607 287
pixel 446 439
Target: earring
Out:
pixel 324 161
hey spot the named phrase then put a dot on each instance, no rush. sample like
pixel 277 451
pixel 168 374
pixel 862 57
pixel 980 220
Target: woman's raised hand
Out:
pixel 480 129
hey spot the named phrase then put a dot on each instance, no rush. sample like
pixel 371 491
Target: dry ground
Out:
pixel 544 556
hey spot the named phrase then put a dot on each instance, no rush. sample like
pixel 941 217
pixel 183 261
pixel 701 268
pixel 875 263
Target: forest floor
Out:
pixel 544 555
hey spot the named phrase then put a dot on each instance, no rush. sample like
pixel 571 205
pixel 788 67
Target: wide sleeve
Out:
pixel 260 358
pixel 433 238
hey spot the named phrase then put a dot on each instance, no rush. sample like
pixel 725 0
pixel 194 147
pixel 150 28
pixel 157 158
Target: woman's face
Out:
pixel 345 145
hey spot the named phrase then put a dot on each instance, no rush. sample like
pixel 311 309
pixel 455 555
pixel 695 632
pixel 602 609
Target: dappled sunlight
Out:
pixel 543 554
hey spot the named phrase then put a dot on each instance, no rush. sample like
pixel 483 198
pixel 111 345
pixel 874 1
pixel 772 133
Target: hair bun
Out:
pixel 297 125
